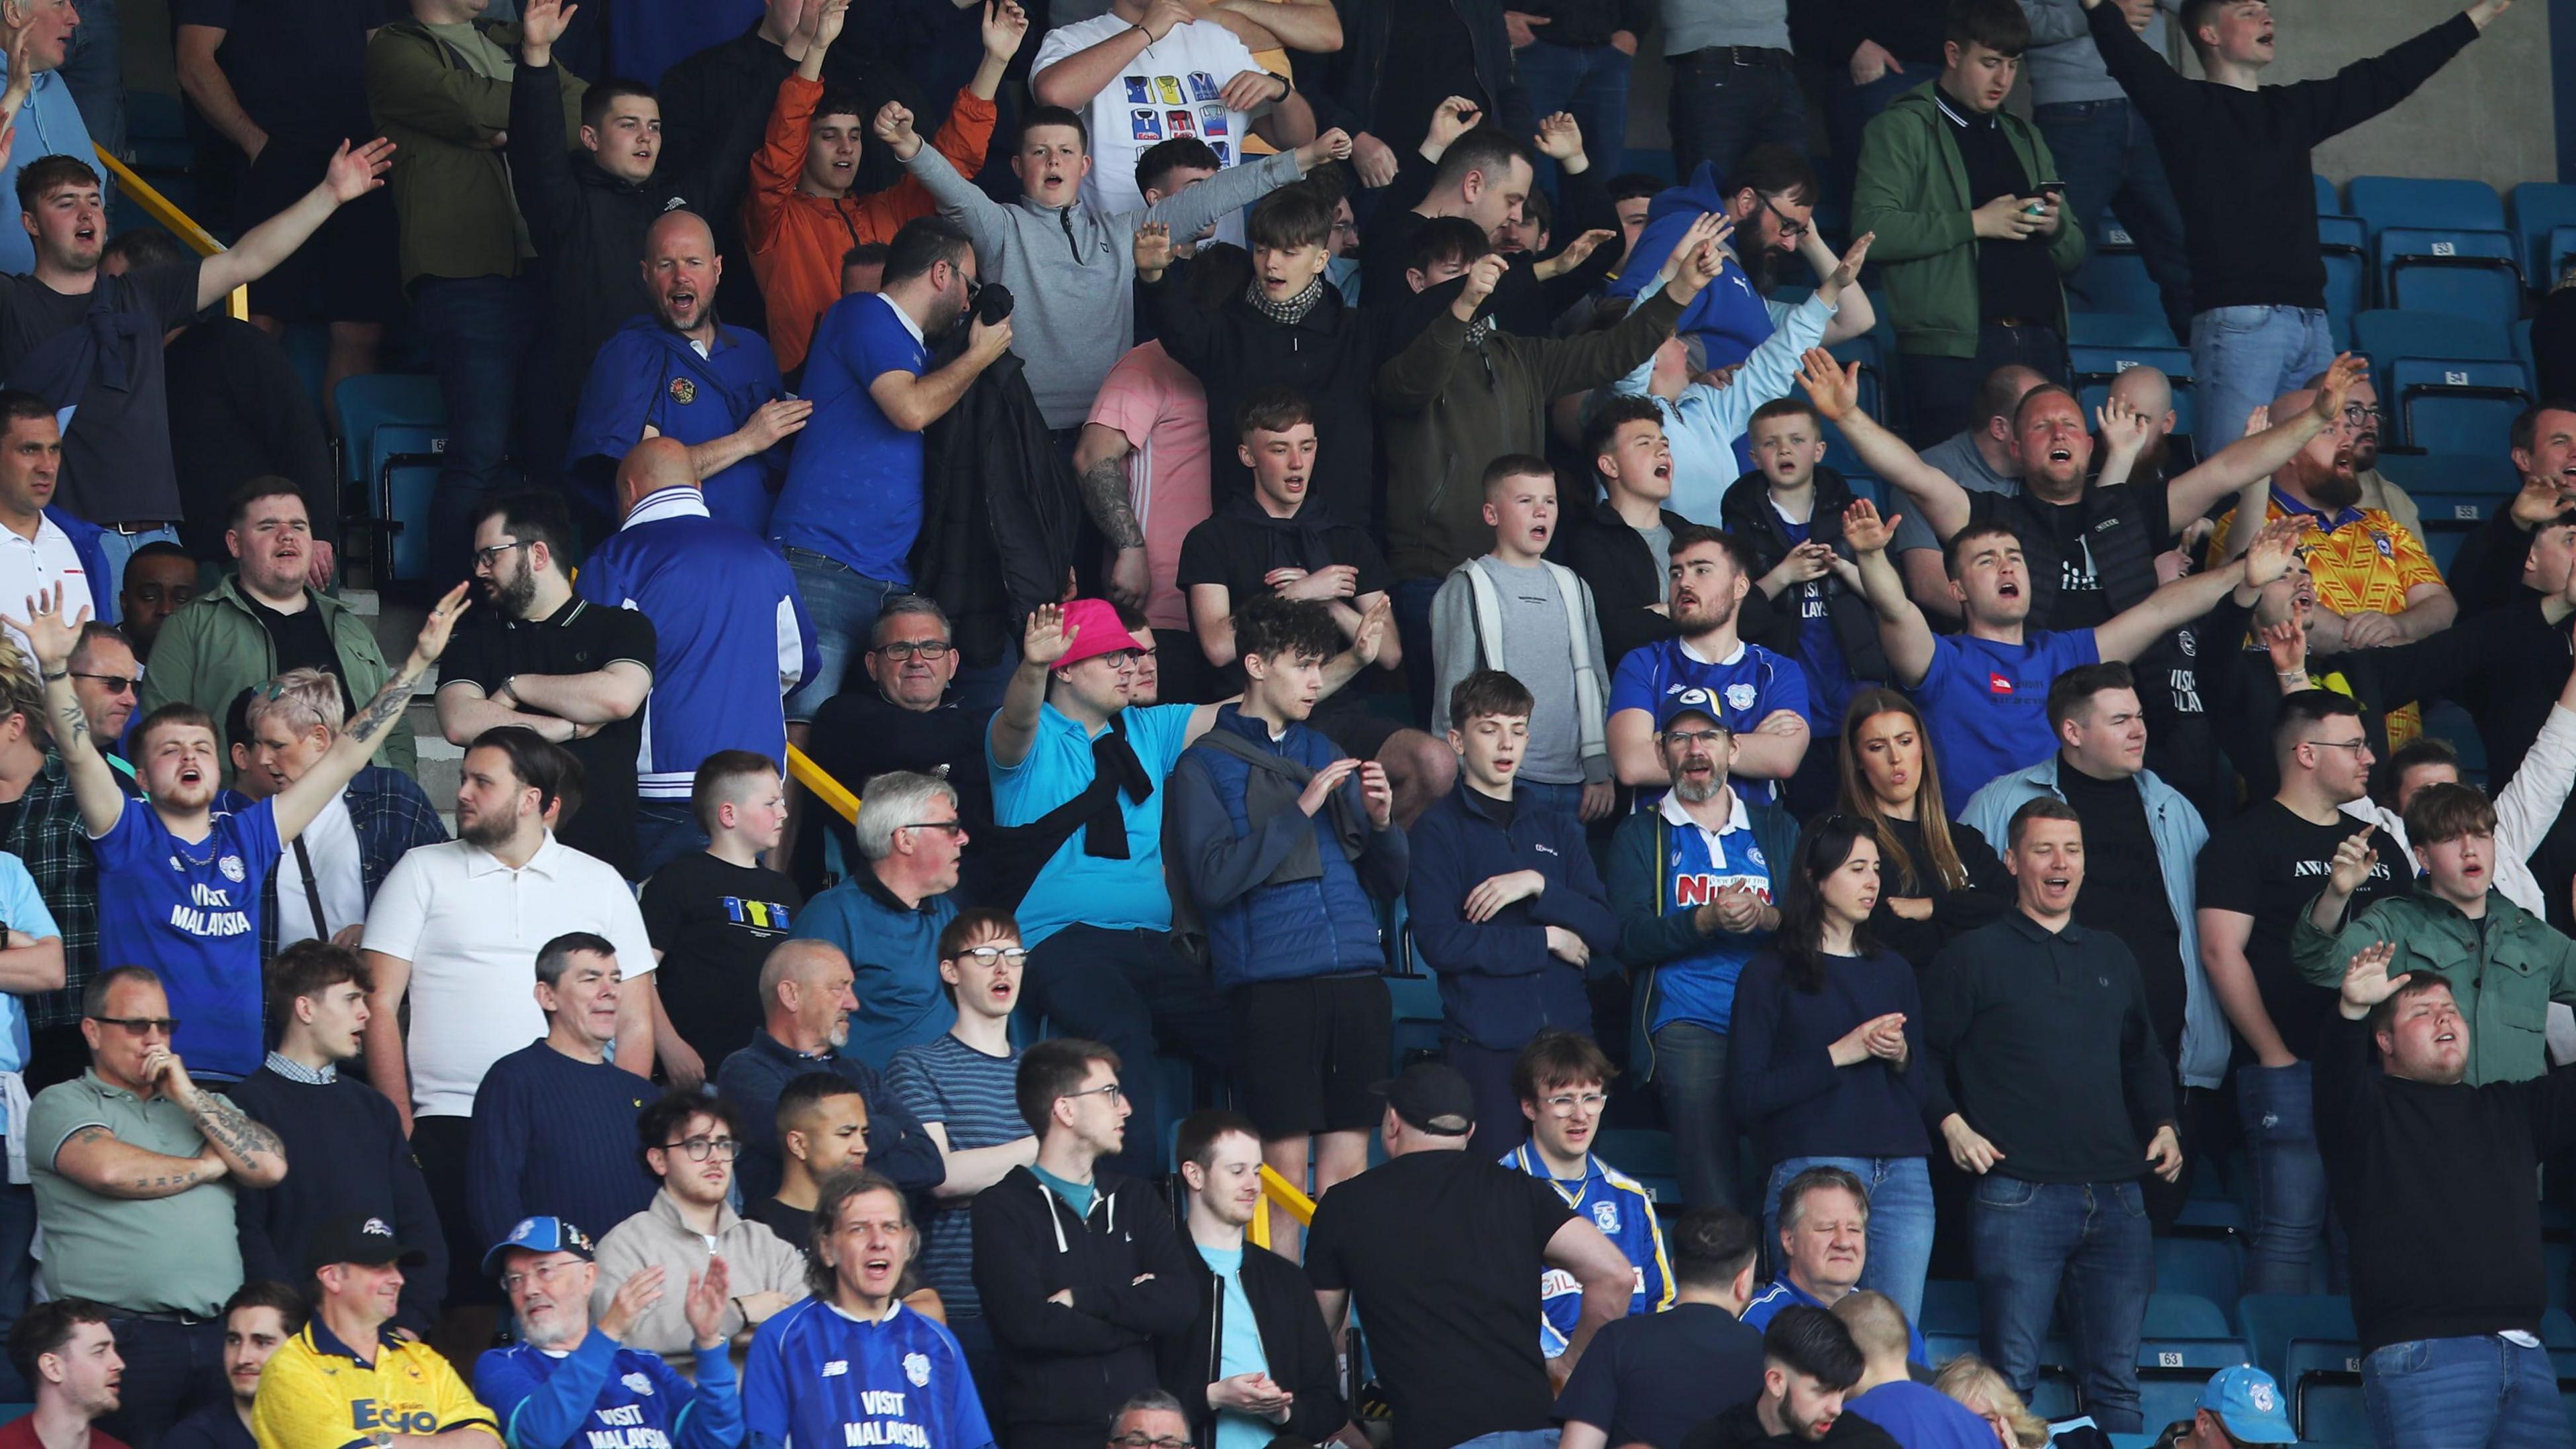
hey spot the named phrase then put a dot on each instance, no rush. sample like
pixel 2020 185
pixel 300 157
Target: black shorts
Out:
pixel 347 271
pixel 1306 1053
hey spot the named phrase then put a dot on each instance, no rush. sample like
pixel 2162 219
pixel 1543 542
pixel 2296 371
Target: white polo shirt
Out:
pixel 470 926
pixel 29 566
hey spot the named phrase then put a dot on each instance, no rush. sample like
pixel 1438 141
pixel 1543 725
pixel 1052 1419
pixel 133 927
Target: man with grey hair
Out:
pixel 807 1001
pixel 326 877
pixel 895 712
pixel 888 915
pixel 1148 1421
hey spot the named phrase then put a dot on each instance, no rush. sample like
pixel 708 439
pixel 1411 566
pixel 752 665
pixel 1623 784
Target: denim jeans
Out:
pixel 2243 357
pixel 1690 1075
pixel 2460 1393
pixel 844 604
pixel 1899 1255
pixel 17 1230
pixel 1588 81
pixel 1565 800
pixel 118 546
pixel 171 1371
pixel 1131 990
pixel 1513 1439
pixel 1718 110
pixel 665 830
pixel 479 330
pixel 2107 158
pixel 1944 389
pixel 2092 1239
pixel 2276 1108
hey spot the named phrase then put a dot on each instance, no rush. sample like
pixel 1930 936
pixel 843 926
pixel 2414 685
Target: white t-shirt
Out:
pixel 331 843
pixel 470 927
pixel 1169 90
pixel 32 566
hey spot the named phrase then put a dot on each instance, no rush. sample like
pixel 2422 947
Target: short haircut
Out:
pixel 292 1311
pixel 2044 807
pixel 45 173
pixel 94 995
pixel 2414 755
pixel 1794 1194
pixel 158 548
pixel 2526 425
pixel 1036 116
pixel 534 515
pixel 237 504
pixel 1876 1324
pixel 2071 692
pixel 142 247
pixel 903 606
pixel 2301 708
pixel 1516 465
pixel 1289 218
pixel 1489 149
pixel 924 242
pixel 1636 186
pixel 605 93
pixel 1489 692
pixel 720 776
pixel 891 801
pixel 803 1093
pixel 2197 13
pixel 1282 630
pixel 93 634
pixel 178 714
pixel 302 698
pixel 22 692
pixel 1152 1401
pixel 1200 1130
pixel 2447 812
pixel 1052 1068
pixel 1538 211
pixel 2041 394
pixel 1711 1246
pixel 1614 414
pixel 794 959
pixel 839 102
pixel 1810 1341
pixel 1447 239
pixel 2001 392
pixel 2410 985
pixel 1998 25
pixel 865 254
pixel 1272 408
pixel 669 1114
pixel 973 926
pixel 1777 170
pixel 310 967
pixel 1787 407
pixel 555 956
pixel 45 1327
pixel 539 763
pixel 1559 1058
pixel 833 1194
pixel 1702 535
pixel 1181 153
pixel 1956 550
pixel 18 405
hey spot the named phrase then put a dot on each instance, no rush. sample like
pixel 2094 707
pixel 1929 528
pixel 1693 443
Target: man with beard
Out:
pixel 65 1352
pixel 2360 410
pixel 574 672
pixel 1980 458
pixel 344 1379
pixel 1766 692
pixel 679 373
pixel 570 1382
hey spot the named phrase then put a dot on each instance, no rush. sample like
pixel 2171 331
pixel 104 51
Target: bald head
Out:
pixel 681 270
pixel 2149 391
pixel 801 961
pixel 1877 1326
pixel 653 465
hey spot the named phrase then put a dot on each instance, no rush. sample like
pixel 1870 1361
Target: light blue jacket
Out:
pixel 48 125
pixel 2179 836
pixel 1705 423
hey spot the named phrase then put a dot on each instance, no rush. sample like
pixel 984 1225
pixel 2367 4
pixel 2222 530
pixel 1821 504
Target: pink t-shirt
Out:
pixel 1162 411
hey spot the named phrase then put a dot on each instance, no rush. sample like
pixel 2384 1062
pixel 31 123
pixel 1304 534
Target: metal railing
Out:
pixel 821 785
pixel 1280 1190
pixel 183 226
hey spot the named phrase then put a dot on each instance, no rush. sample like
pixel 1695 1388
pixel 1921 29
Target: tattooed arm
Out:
pixel 1101 461
pixel 297 804
pixel 93 1157
pixel 247 1151
pixel 54 637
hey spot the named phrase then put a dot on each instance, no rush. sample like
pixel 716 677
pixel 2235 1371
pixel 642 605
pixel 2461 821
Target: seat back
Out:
pixel 2118 329
pixel 2207 1268
pixel 2387 333
pixel 2467 273
pixel 2386 201
pixel 2539 208
pixel 2345 245
pixel 2273 1320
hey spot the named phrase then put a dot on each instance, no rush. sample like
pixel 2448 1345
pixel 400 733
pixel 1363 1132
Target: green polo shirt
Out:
pixel 147 1255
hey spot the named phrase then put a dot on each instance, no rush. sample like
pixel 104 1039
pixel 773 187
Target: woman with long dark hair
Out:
pixel 1937 879
pixel 1826 1050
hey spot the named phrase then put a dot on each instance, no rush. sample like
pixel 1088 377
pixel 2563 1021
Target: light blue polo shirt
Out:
pixel 1075 887
pixel 21 909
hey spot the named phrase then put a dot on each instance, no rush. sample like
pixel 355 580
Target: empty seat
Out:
pixel 2445 239
pixel 2118 329
pixel 2387 333
pixel 2345 247
pixel 1949 1306
pixel 2539 209
pixel 2328 203
pixel 2273 1320
pixel 2454 407
pixel 2454 492
pixel 2403 201
pixel 1646 1154
pixel 2115 282
pixel 2186 1315
pixel 2331 1411
pixel 1943 1347
pixel 2207 1268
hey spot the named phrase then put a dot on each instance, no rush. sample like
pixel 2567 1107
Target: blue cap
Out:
pixel 1694 700
pixel 541 1235
pixel 2249 1404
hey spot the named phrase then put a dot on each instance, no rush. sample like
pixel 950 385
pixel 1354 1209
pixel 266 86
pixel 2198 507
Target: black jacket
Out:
pixel 1741 1428
pixel 1614 560
pixel 238 412
pixel 1000 513
pixel 1293 1339
pixel 1589 22
pixel 1344 88
pixel 1747 513
pixel 1066 1370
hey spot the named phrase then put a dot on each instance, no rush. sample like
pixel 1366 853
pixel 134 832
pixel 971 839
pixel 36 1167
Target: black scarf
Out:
pixel 1015 854
pixel 1273 785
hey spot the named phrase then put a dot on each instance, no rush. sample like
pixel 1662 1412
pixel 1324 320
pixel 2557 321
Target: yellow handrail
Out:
pixel 826 789
pixel 1280 1190
pixel 183 226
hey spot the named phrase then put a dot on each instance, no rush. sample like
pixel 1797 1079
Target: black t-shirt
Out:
pixel 714 922
pixel 794 1226
pixel 2124 892
pixel 302 641
pixel 1240 545
pixel 579 638
pixel 2269 863
pixel 858 733
pixel 1443 1252
pixel 2081 603
pixel 116 454
pixel 298 67
pixel 1651 1378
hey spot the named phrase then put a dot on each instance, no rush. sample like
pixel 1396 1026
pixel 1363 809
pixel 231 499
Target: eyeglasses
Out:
pixel 902 651
pixel 1119 658
pixel 1136 1439
pixel 1112 1090
pixel 116 683
pixel 2361 414
pixel 141 1025
pixel 954 828
pixel 2358 747
pixel 1693 737
pixel 1792 230
pixel 542 1273
pixel 485 558
pixel 723 1149
pixel 1567 1104
pixel 987 955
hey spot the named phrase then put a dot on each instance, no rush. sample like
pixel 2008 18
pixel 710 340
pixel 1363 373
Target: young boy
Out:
pixel 1288 845
pixel 1506 905
pixel 1515 612
pixel 713 914
pixel 1563 1081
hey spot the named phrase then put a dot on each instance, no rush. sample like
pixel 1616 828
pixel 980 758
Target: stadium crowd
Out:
pixel 1257 508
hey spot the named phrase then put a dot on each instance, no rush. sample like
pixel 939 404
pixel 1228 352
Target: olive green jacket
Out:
pixel 2503 977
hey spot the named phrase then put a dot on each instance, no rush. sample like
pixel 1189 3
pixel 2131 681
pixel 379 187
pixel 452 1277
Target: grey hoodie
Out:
pixel 1072 270
pixel 2064 66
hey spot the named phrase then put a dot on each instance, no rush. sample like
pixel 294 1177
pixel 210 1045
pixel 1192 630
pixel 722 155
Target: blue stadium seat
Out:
pixel 1949 1306
pixel 1646 1154
pixel 2161 1401
pixel 2557 1259
pixel 2331 1410
pixel 2454 407
pixel 2345 245
pixel 2118 329
pixel 2205 1268
pixel 2455 492
pixel 2054 1396
pixel 1418 1012
pixel 2522 347
pixel 2387 333
pixel 2328 203
pixel 2114 277
pixel 2273 1320
pixel 2403 201
pixel 1943 1347
pixel 2443 238
pixel 2540 208
pixel 2186 1316
pixel 393 427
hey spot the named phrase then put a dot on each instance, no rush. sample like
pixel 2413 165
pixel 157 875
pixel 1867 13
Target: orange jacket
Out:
pixel 797 240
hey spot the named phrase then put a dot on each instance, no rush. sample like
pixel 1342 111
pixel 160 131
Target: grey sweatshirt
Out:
pixel 1072 270
pixel 2064 67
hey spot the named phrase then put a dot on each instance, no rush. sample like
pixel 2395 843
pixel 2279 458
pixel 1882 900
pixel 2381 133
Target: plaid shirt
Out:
pixel 392 815
pixel 49 837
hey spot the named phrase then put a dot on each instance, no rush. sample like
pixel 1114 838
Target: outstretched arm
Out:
pixel 2127 634
pixel 53 638
pixel 1902 630
pixel 352 174
pixel 298 803
pixel 1835 390
pixel 2264 453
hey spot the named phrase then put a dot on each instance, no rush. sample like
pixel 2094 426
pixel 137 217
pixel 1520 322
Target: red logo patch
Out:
pixel 1998 684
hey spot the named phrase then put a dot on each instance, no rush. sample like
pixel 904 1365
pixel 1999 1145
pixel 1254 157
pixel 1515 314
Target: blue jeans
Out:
pixel 2107 158
pixel 479 330
pixel 2460 1393
pixel 1690 1074
pixel 1719 109
pixel 844 604
pixel 2092 1239
pixel 2243 357
pixel 1588 81
pixel 119 546
pixel 665 830
pixel 2276 1107
pixel 1565 800
pixel 1899 1255
pixel 17 1230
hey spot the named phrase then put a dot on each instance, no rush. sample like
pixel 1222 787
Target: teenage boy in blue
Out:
pixel 179 883
pixel 1563 1081
pixel 569 1383
pixel 1710 571
pixel 852 1365
pixel 1506 906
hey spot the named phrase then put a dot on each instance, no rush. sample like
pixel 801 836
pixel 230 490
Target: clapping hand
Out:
pixel 629 1302
pixel 709 1293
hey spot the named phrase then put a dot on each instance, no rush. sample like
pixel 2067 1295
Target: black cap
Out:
pixel 359 1238
pixel 1432 1098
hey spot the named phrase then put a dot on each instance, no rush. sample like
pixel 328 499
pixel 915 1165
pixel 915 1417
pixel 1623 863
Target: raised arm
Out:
pixel 2262 454
pixel 1835 390
pixel 53 637
pixel 298 803
pixel 1854 313
pixel 351 174
pixel 2128 633
pixel 1072 80
pixel 1902 630
pixel 1015 725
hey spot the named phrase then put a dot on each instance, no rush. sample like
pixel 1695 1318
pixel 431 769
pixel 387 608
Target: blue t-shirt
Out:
pixel 1240 1352
pixel 1985 703
pixel 1753 682
pixel 21 909
pixel 191 913
pixel 854 488
pixel 1779 1293
pixel 606 1396
pixel 1920 1416
pixel 1076 887
pixel 1624 1211
pixel 1829 677
pixel 819 1379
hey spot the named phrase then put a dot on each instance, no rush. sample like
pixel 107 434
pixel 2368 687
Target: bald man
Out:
pixel 734 638
pixel 679 373
pixel 806 1000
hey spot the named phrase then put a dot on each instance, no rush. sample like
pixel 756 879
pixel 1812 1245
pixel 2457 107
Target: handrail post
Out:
pixel 163 210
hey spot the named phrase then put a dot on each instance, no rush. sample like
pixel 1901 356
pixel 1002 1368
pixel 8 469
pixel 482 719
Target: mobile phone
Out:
pixel 2044 191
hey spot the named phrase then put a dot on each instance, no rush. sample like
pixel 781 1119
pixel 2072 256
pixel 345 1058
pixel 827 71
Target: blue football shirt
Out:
pixel 191 913
pixel 1753 683
pixel 853 490
pixel 820 1379
pixel 1985 704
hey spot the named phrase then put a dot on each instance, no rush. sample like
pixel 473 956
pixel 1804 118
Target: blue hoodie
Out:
pixel 1729 315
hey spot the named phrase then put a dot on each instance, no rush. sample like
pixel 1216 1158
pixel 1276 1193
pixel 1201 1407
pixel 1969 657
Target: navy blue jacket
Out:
pixel 1498 985
pixel 1257 930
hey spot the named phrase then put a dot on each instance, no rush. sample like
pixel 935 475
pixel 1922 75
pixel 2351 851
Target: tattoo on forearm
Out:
pixel 75 725
pixel 232 1130
pixel 380 710
pixel 1104 493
